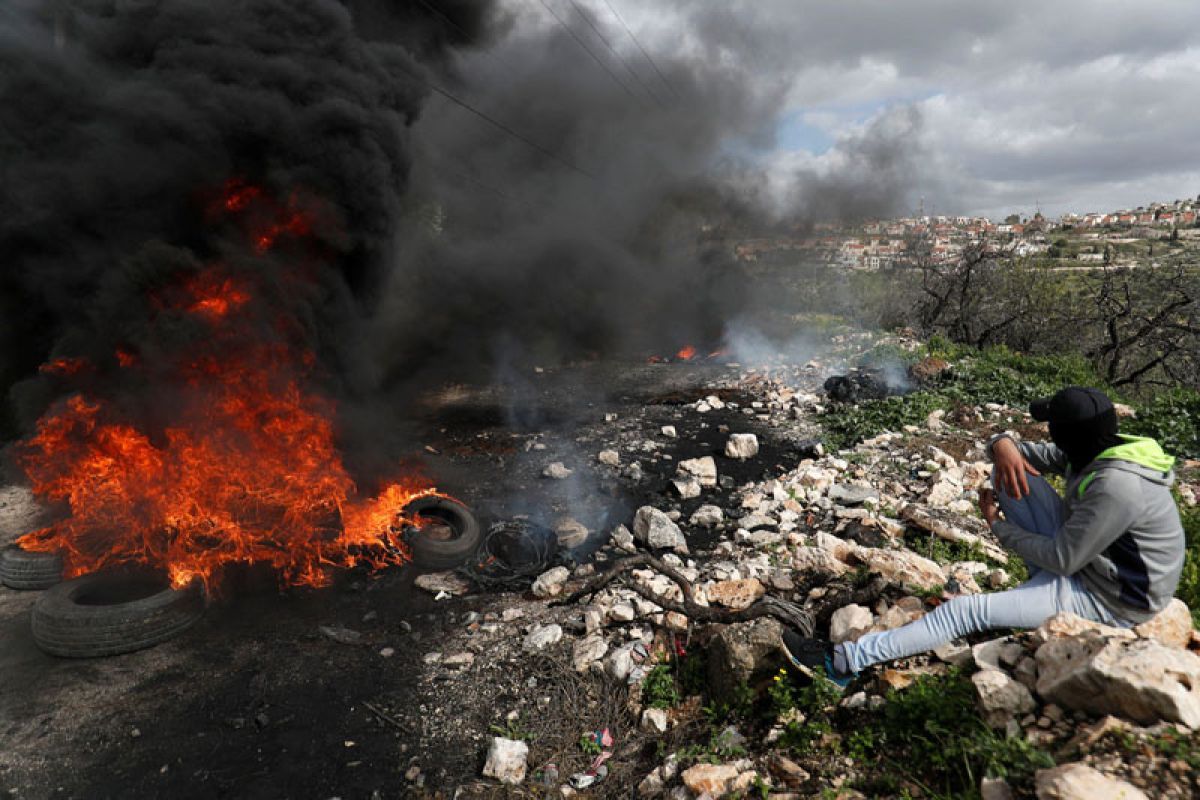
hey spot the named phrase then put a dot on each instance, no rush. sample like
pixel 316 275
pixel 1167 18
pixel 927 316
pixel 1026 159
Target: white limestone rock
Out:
pixel 506 760
pixel 541 637
pixel 703 469
pixel 557 471
pixel 655 529
pixel 1140 679
pixel 741 446
pixel 849 622
pixel 1081 782
pixel 550 583
pixel 1001 698
pixel 707 516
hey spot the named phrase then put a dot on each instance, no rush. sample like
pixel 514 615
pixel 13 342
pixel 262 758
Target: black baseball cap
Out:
pixel 1072 404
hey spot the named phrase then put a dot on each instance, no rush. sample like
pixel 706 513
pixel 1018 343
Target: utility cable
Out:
pixel 600 35
pixel 473 39
pixel 666 82
pixel 579 40
pixel 532 144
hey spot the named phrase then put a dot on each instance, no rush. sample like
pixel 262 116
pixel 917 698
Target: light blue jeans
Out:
pixel 1027 606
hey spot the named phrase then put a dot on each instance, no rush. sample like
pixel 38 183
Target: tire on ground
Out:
pixel 440 554
pixel 24 569
pixel 104 614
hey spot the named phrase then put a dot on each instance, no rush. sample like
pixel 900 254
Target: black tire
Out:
pixel 104 614
pixel 23 569
pixel 442 554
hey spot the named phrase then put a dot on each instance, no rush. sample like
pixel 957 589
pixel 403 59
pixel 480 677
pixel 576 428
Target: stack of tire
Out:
pixel 107 613
pixel 23 569
pixel 101 614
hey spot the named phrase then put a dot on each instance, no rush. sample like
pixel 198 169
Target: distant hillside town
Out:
pixel 880 244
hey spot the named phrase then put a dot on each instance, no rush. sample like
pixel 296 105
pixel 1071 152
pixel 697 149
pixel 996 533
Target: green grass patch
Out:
pixel 847 425
pixel 931 735
pixel 994 375
pixel 1001 375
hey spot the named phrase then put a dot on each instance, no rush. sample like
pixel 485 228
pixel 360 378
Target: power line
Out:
pixel 474 39
pixel 532 144
pixel 472 179
pixel 600 35
pixel 587 49
pixel 666 82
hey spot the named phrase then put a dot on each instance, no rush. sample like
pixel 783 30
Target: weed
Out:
pixel 658 689
pixel 1178 747
pixel 861 743
pixel 1018 571
pixel 846 425
pixel 935 735
pixel 781 694
pixel 739 707
pixel 944 551
pixel 817 702
pixel 994 375
pixel 691 674
pixel 933 591
pixel 720 747
pixel 513 729
pixel 589 746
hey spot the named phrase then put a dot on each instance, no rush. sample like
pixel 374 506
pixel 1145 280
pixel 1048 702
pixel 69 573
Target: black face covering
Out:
pixel 1083 441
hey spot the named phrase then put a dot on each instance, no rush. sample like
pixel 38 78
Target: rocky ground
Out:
pixel 656 677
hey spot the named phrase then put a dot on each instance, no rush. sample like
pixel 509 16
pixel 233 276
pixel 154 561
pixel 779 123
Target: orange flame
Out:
pixel 215 296
pixel 245 471
pixel 686 353
pixel 64 366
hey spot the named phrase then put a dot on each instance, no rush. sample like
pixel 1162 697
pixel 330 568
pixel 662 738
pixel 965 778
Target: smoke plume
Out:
pixel 472 177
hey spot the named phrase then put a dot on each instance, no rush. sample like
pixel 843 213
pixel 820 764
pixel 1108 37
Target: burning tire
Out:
pixel 448 536
pixel 104 614
pixel 23 569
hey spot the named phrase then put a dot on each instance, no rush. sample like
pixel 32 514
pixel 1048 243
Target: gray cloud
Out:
pixel 1078 104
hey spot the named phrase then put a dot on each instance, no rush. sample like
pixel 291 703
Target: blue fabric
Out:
pixel 841 679
pixel 1041 511
pixel 1027 606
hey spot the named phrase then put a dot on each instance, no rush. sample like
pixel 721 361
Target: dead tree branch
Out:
pixel 785 611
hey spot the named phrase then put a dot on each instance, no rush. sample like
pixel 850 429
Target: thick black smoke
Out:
pixel 122 120
pixel 509 247
pixel 594 225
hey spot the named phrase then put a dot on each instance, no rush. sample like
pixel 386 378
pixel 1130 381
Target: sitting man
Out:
pixel 1111 551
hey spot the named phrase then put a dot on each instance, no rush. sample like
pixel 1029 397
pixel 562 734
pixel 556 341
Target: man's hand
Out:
pixel 1009 468
pixel 987 506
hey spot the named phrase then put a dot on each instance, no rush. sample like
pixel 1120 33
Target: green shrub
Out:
pixel 1189 581
pixel 999 375
pixel 1173 418
pixel 846 425
pixel 658 689
pixel 932 735
pixel 817 703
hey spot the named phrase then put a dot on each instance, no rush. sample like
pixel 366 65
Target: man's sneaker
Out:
pixel 813 657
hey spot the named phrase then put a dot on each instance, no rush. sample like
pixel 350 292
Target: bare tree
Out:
pixel 1150 331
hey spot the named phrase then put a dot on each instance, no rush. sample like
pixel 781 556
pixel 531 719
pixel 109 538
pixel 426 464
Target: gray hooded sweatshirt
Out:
pixel 1122 535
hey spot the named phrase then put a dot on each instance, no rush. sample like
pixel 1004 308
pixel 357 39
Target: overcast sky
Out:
pixel 1079 106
